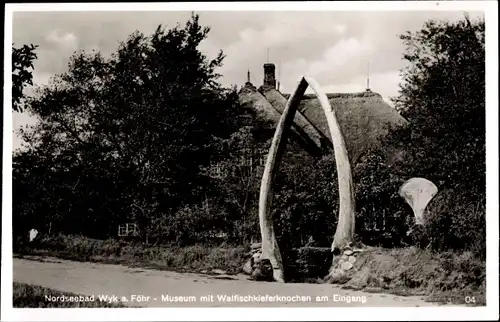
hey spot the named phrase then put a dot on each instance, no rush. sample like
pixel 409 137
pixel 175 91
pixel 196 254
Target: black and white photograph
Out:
pixel 284 159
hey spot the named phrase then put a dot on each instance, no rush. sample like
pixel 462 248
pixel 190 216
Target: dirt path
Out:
pixel 162 286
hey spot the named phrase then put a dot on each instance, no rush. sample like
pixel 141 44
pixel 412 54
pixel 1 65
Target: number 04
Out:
pixel 470 299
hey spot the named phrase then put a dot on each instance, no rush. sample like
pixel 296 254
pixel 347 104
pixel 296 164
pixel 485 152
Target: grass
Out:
pixel 196 258
pixel 34 296
pixel 458 278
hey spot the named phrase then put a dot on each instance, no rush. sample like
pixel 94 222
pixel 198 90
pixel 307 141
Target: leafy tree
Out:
pixel 22 62
pixel 443 98
pixel 126 136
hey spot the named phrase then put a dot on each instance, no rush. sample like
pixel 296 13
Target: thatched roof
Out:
pixel 269 117
pixel 364 117
pixel 249 97
pixel 301 124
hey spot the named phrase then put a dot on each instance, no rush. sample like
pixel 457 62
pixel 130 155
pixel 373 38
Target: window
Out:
pixel 128 229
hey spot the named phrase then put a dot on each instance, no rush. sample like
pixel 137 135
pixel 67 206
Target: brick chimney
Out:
pixel 269 75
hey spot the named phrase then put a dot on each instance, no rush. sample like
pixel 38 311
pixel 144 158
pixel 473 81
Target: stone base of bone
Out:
pixel 248 267
pixel 259 269
pixel 342 267
pixel 346 266
pixel 263 270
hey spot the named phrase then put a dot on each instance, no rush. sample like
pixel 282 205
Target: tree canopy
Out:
pixel 442 95
pixel 22 73
pixel 127 134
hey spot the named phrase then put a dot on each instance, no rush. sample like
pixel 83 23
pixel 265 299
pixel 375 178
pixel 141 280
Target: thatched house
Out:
pixel 364 117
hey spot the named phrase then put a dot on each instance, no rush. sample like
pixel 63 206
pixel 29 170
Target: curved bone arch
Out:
pixel 345 227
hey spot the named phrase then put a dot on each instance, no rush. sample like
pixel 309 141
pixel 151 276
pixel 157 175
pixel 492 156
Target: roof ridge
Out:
pixel 340 95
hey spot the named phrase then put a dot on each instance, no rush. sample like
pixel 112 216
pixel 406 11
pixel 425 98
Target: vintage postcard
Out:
pixel 250 161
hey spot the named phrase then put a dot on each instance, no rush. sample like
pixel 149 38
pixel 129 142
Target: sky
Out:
pixel 334 48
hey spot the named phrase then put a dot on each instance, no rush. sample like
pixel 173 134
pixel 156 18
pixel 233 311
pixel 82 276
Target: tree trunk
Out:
pixel 345 227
